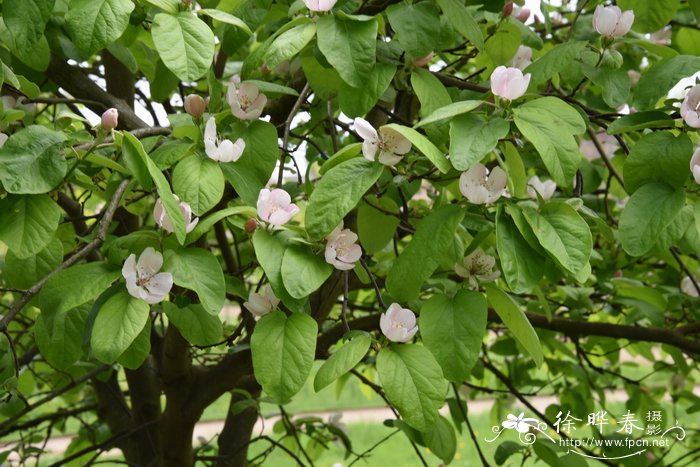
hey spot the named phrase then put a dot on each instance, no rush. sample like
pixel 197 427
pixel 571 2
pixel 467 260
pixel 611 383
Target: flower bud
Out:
pixel 110 119
pixel 423 60
pixel 509 83
pixel 195 105
pixel 507 9
pixel 610 21
pixel 250 225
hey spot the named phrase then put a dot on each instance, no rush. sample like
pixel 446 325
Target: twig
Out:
pixel 344 310
pixel 287 129
pixel 374 284
pixel 469 426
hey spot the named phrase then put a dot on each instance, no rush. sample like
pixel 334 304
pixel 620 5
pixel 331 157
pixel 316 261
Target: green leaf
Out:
pixel 503 45
pixel 185 44
pixel 250 173
pixel 472 138
pixel 94 24
pixel 283 351
pixel 356 102
pixel 521 265
pixel 516 321
pixel 556 60
pixel 198 181
pixel 658 157
pixel 198 270
pixel 135 163
pixel 517 180
pixel 549 123
pixel 272 88
pixel 26 21
pixel 269 250
pixel 169 153
pixel 430 91
pixel 430 245
pixel 650 15
pixel 413 383
pixel 345 153
pixel 640 121
pixel 168 6
pixel 342 360
pixel 337 193
pixel 75 286
pixel 31 161
pixel 563 234
pixel 172 207
pixel 59 335
pixel 424 145
pixel 649 211
pixel 194 323
pixel 25 272
pixel 303 272
pixel 204 225
pixel 139 350
pixel 452 329
pixel 28 223
pixel 375 228
pixel 349 44
pixel 441 440
pixel 226 18
pixel 615 83
pixel 460 19
pixel 661 77
pixel 289 43
pixel 415 25
pixel 118 323
pixel 449 111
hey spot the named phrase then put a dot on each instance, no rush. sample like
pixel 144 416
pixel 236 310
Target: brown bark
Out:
pixel 238 429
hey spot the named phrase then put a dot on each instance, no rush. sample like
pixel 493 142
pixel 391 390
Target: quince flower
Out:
pixel 3 139
pixel 143 279
pixel 276 206
pixel 262 303
pixel 224 150
pixel 110 119
pixel 477 267
pixel 690 109
pixel 164 222
pixel 519 422
pixel 545 188
pixel 509 83
pixel 688 288
pixel 610 21
pixel 195 105
pixel 481 188
pixel 320 5
pixel 398 324
pixel 522 58
pixel 247 102
pixel 390 143
pixel 342 250
pixel 695 165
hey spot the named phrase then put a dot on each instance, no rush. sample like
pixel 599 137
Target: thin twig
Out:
pixel 287 129
pixel 469 426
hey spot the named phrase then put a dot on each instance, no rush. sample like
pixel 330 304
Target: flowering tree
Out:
pixel 439 199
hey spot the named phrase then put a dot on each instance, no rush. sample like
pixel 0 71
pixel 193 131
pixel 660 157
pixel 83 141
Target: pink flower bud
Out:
pixel 110 119
pixel 521 14
pixel 423 60
pixel 509 83
pixel 195 105
pixel 319 5
pixel 610 21
pixel 507 9
pixel 250 225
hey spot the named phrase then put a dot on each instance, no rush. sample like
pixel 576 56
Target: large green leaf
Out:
pixel 431 243
pixel 226 18
pixel 453 328
pixel 194 323
pixel 31 160
pixel 204 225
pixel 170 204
pixel 521 265
pixel 337 193
pixel 650 15
pixel 441 440
pixel 198 270
pixel 283 351
pixel 356 102
pixel 658 157
pixel 118 323
pixel 198 181
pixel 472 138
pixel 614 83
pixel 289 43
pixel 28 223
pixel 75 286
pixel 415 25
pixel 342 360
pixel 375 227
pixel 139 349
pixel 550 124
pixel 349 44
pixel 25 272
pixel 94 24
pixel 516 321
pixel 504 43
pixel 563 234
pixel 26 21
pixel 185 44
pixel 449 111
pixel 649 211
pixel 640 121
pixel 269 250
pixel 413 383
pixel 424 145
pixel 460 19
pixel 431 93
pixel 59 335
pixel 661 77
pixel 302 271
pixel 250 173
pixel 557 59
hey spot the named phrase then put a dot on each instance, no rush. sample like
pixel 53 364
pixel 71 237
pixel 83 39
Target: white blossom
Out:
pixel 390 144
pixel 221 150
pixel 481 188
pixel 143 279
pixel 342 250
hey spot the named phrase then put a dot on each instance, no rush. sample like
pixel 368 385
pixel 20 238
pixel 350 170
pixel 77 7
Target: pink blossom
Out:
pixel 221 150
pixel 342 250
pixel 695 165
pixel 260 304
pixel 610 21
pixel 247 102
pixel 390 144
pixel 398 324
pixel 276 206
pixel 110 119
pixel 320 5
pixel 509 83
pixel 163 220
pixel 690 109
